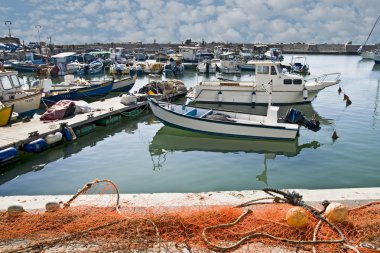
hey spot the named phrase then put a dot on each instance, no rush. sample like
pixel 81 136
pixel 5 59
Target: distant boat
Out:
pixel 207 67
pixel 299 65
pixel 229 123
pixel 274 54
pixel 93 68
pixel 124 84
pixel 27 66
pixel 121 69
pixel 174 66
pixel 26 102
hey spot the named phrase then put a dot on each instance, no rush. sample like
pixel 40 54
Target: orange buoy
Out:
pixel 297 217
pixel 345 97
pixel 336 212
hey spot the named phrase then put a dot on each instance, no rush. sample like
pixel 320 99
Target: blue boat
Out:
pixel 27 66
pixel 77 92
pixel 93 68
pixel 96 89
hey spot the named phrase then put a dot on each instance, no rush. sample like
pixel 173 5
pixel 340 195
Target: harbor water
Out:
pixel 141 155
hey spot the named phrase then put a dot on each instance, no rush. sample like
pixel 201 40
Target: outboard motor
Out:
pixel 295 117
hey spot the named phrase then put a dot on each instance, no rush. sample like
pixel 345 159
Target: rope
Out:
pixel 130 113
pixel 290 198
pixel 84 189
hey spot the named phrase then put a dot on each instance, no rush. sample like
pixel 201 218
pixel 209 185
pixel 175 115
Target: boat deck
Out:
pixel 20 133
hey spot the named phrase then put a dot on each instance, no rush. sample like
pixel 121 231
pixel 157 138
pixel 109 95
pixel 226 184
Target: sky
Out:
pixel 174 21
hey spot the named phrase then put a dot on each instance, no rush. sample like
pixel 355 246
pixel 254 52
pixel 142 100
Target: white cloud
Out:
pixel 315 21
pixel 91 8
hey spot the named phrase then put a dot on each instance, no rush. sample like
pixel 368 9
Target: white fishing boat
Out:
pixel 286 88
pixel 26 102
pixel 229 123
pixel 299 65
pixel 230 63
pixel 207 66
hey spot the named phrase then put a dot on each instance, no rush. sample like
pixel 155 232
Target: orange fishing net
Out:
pixel 94 221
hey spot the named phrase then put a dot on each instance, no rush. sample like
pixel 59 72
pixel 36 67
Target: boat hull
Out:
pixel 6 115
pixel 97 90
pixel 222 128
pixel 230 92
pixel 26 106
pixel 124 85
pixel 75 94
pixel 51 99
pixel 243 95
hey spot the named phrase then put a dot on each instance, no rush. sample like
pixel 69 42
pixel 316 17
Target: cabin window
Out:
pixel 297 81
pixel 287 81
pixel 16 82
pixel 6 82
pixel 262 69
pixel 273 70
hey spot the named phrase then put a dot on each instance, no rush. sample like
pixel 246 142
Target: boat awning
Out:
pixel 63 55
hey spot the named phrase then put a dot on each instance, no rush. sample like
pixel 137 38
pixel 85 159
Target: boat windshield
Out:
pixel 16 82
pixel 262 69
pixel 6 83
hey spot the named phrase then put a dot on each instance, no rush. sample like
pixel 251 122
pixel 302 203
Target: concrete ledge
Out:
pixel 348 195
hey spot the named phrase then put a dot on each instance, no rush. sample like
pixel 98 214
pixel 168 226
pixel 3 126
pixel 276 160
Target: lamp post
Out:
pixel 8 23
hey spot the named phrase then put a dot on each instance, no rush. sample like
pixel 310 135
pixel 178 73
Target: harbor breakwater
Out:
pixel 291 48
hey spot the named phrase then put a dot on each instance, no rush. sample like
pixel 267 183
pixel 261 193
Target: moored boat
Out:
pixel 286 88
pixel 75 91
pixel 229 123
pixel 26 102
pixel 299 65
pixel 124 84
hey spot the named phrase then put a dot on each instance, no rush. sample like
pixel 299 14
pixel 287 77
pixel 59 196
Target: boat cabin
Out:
pixel 267 71
pixel 9 84
pixel 189 53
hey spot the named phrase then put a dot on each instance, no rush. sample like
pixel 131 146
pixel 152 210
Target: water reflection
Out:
pixel 30 162
pixel 168 140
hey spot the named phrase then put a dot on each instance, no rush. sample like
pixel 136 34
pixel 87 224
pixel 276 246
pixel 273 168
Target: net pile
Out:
pixel 94 220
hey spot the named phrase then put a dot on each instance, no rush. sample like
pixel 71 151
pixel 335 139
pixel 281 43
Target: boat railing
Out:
pixel 330 77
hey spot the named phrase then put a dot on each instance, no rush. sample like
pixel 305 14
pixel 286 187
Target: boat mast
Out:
pixel 361 47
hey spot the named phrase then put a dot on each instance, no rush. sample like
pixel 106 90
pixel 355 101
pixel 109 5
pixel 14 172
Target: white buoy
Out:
pixel 253 98
pixel 220 96
pixel 53 138
pixel 305 93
